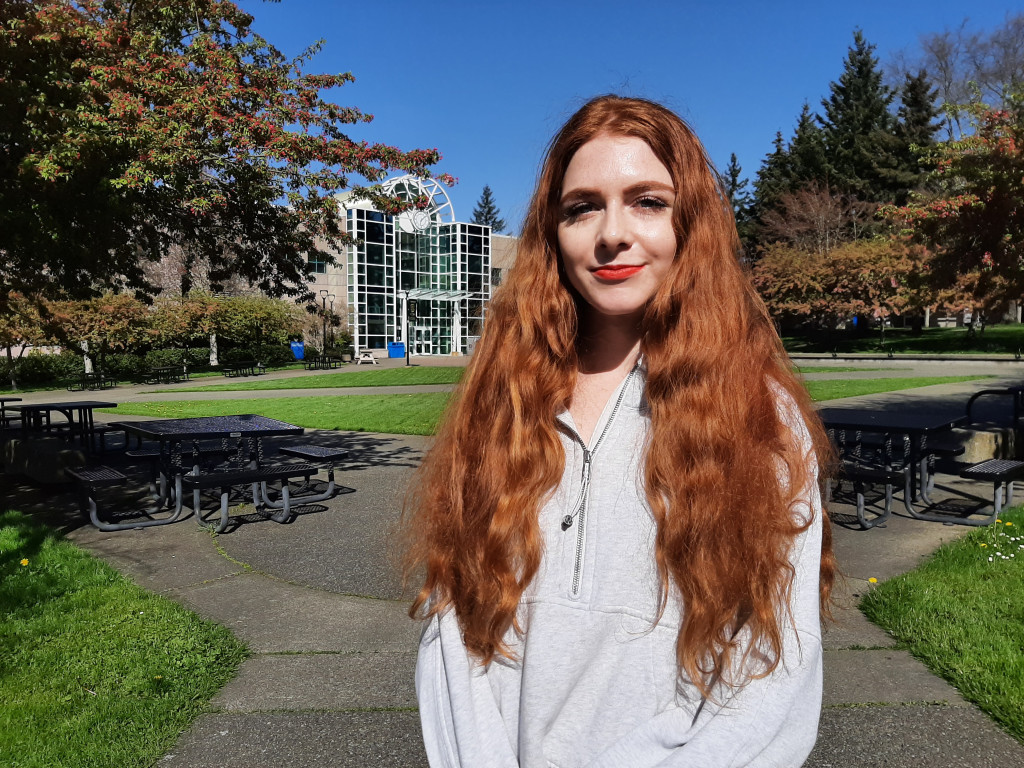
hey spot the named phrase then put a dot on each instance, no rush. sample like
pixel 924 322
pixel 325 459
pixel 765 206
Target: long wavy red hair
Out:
pixel 715 371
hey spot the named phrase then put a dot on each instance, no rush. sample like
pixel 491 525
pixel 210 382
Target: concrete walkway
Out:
pixel 329 684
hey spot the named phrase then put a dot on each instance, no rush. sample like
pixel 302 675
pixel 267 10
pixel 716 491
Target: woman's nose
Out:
pixel 615 231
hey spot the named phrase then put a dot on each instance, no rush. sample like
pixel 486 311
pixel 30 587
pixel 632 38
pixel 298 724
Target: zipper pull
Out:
pixel 568 520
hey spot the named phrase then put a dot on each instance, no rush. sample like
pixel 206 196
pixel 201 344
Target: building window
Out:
pixel 318 265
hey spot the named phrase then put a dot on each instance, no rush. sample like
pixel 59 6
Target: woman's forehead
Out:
pixel 616 159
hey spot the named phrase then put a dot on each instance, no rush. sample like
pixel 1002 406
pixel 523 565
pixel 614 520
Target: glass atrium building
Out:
pixel 422 264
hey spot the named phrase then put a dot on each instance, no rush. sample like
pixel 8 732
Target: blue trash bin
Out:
pixel 298 349
pixel 396 349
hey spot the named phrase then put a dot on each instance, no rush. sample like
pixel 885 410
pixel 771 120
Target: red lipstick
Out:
pixel 617 271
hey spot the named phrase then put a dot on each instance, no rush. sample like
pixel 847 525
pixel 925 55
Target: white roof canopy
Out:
pixel 436 294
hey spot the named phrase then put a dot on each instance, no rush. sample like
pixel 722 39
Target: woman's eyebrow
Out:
pixel 633 189
pixel 649 186
pixel 578 192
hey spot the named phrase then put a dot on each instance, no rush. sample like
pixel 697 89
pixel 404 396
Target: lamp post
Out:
pixel 405 324
pixel 324 296
pixel 330 298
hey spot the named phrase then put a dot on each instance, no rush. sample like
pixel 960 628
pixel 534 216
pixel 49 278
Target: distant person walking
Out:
pixel 619 526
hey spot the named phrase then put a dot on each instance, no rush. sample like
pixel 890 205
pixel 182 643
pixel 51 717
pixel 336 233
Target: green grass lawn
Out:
pixel 94 671
pixel 419 414
pixel 415 414
pixel 832 390
pixel 387 377
pixel 837 369
pixel 962 614
pixel 996 339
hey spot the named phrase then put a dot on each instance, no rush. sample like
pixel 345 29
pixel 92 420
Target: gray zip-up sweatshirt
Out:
pixel 595 683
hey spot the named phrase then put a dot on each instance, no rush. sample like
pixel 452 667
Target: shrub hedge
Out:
pixel 37 369
pixel 196 358
pixel 268 355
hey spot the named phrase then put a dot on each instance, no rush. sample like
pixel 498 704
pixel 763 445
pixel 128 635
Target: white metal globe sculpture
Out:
pixel 410 187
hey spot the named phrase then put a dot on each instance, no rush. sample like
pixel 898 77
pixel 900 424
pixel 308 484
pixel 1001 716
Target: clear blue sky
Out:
pixel 488 83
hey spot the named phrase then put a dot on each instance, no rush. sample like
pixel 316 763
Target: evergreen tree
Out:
pixel 916 126
pixel 487 213
pixel 736 187
pixel 808 159
pixel 917 118
pixel 740 199
pixel 772 177
pixel 857 123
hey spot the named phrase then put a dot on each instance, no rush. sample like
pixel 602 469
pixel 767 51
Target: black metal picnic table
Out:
pixel 321 363
pixel 3 410
pixel 95 380
pixel 246 430
pixel 243 368
pixel 207 427
pixel 167 374
pixel 920 428
pixel 36 418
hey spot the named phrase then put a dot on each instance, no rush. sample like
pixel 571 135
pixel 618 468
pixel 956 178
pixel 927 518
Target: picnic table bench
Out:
pixel 243 368
pixel 257 478
pixel 167 374
pixel 322 455
pixel 321 363
pixel 869 459
pixel 97 380
pixel 88 479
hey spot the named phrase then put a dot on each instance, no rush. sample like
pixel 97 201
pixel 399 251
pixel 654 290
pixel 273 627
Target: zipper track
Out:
pixel 581 538
pixel 615 408
pixel 579 513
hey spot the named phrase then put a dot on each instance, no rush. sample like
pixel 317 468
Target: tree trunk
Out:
pixel 10 368
pixel 85 357
pixel 213 350
pixel 927 316
pixel 186 273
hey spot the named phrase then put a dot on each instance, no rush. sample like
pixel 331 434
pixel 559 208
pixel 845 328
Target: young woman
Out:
pixel 619 525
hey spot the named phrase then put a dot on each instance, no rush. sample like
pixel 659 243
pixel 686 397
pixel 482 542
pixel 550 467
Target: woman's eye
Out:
pixel 652 202
pixel 576 210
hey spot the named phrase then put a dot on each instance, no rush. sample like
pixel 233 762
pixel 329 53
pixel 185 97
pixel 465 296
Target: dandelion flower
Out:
pixel 873 580
pixel 984 544
pixel 24 561
pixel 1008 523
pixel 998 520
